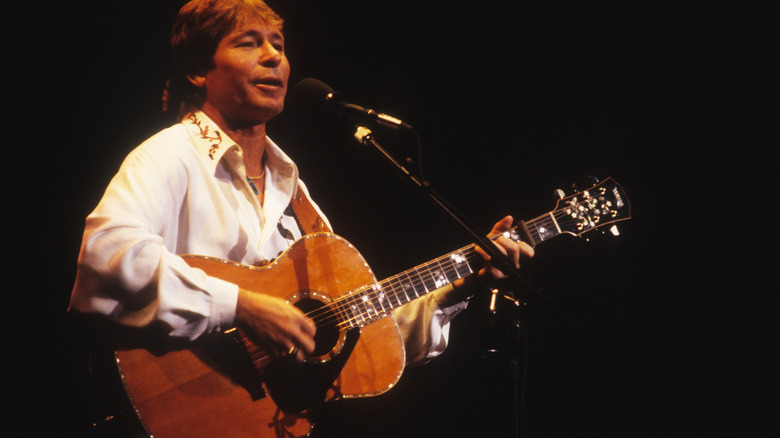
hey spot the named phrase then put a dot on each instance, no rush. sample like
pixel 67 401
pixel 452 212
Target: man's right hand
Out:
pixel 276 324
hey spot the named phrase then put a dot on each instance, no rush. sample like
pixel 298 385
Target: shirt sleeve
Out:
pixel 425 324
pixel 126 272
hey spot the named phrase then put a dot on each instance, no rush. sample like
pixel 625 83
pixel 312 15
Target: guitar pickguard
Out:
pixel 298 386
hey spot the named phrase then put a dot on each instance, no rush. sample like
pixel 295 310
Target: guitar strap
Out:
pixel 307 217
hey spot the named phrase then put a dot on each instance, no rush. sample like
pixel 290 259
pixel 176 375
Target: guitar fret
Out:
pixel 390 293
pixel 397 291
pixel 368 305
pixel 533 231
pixel 351 320
pixel 439 276
pixel 341 313
pixel 460 261
pixel 427 279
pixel 418 284
pixel 358 310
pixel 557 227
pixel 380 297
pixel 543 228
pixel 460 264
pixel 406 286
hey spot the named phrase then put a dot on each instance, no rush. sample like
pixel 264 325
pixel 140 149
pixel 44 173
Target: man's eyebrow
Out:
pixel 275 35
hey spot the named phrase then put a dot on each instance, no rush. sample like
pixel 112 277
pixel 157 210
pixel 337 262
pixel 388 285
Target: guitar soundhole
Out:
pixel 328 338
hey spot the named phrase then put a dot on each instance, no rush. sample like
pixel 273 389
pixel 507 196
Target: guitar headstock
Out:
pixel 603 204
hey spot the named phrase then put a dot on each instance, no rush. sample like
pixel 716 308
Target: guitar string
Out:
pixel 374 293
pixel 394 286
pixel 349 302
pixel 335 312
pixel 377 291
pixel 389 288
pixel 365 316
pixel 369 314
pixel 368 295
pixel 332 313
pixel 423 272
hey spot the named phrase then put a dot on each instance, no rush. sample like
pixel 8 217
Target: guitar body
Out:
pixel 190 393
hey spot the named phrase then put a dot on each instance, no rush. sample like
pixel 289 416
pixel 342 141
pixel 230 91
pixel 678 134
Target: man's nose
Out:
pixel 271 56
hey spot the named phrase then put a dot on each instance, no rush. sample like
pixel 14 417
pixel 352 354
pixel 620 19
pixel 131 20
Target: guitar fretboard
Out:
pixel 371 302
pixel 602 204
pixel 544 227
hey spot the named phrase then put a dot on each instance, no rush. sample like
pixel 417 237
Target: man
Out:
pixel 216 185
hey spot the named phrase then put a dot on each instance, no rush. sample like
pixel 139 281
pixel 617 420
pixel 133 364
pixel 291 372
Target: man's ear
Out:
pixel 197 80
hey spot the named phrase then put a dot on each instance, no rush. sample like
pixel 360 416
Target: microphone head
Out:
pixel 312 93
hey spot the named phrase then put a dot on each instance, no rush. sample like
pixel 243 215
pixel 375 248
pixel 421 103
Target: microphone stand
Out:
pixel 497 258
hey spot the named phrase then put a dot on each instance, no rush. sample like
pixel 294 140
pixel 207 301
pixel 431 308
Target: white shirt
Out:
pixel 184 191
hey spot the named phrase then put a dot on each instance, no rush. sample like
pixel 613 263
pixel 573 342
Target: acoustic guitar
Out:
pixel 226 385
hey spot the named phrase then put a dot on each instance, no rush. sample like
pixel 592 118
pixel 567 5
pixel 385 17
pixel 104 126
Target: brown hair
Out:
pixel 197 31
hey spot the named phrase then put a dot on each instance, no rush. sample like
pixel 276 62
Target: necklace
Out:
pixel 252 184
pixel 262 174
pixel 250 179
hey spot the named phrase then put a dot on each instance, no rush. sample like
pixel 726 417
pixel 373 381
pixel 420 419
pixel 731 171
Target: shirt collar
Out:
pixel 212 145
pixel 210 141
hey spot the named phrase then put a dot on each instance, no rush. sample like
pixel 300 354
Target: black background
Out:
pixel 667 330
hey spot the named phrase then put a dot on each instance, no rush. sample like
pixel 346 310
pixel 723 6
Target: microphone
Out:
pixel 316 94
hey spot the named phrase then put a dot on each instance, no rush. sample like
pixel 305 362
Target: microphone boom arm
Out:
pixel 497 258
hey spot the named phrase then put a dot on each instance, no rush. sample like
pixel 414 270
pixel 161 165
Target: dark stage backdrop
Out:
pixel 663 331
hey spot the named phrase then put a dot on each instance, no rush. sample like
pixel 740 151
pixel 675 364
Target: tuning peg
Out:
pixel 560 194
pixel 614 230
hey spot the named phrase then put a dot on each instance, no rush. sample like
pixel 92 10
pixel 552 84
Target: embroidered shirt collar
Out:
pixel 212 144
pixel 210 141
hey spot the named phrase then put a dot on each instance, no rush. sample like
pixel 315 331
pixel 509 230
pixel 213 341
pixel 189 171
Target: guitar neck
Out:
pixel 543 228
pixel 371 302
pixel 602 204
